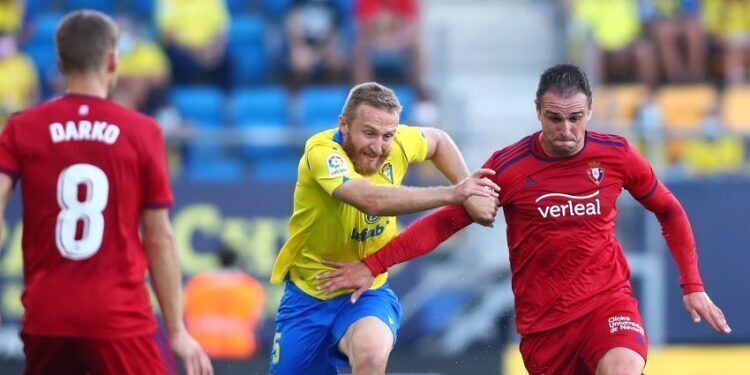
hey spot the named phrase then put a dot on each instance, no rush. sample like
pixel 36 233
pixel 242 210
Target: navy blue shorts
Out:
pixel 308 329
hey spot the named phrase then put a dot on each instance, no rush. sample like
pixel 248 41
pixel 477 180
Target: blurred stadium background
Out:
pixel 668 74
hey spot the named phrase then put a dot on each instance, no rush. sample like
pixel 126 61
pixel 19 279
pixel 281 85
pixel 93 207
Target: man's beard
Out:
pixel 363 165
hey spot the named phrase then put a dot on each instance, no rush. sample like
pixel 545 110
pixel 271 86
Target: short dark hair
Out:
pixel 84 39
pixel 373 94
pixel 564 79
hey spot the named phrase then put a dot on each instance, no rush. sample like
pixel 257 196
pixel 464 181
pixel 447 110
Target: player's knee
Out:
pixel 620 361
pixel 371 358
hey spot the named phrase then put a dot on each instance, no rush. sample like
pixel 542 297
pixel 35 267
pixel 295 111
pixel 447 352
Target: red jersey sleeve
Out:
pixel 419 238
pixel 652 194
pixel 8 152
pixel 157 193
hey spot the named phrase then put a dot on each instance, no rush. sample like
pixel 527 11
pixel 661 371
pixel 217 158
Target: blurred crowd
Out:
pixel 237 85
pixel 672 74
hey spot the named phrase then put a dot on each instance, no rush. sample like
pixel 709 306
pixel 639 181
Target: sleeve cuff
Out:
pixel 372 266
pixel 692 288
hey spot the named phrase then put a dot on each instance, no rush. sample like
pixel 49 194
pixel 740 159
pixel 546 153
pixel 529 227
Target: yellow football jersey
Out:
pixel 324 227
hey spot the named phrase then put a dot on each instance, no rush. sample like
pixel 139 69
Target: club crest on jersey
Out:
pixel 336 165
pixel 387 171
pixel 595 172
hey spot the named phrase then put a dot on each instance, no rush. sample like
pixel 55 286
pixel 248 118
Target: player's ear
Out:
pixel 538 110
pixel 112 62
pixel 343 125
pixel 590 109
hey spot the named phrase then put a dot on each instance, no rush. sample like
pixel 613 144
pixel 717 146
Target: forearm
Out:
pixel 164 270
pixel 419 238
pixel 678 235
pixel 384 200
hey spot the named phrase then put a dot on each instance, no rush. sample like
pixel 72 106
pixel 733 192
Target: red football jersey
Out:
pixel 560 215
pixel 87 168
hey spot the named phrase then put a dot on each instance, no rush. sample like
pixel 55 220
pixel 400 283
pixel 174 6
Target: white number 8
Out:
pixel 89 210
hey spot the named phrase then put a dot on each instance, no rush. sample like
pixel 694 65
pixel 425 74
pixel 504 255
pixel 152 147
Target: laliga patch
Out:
pixel 336 165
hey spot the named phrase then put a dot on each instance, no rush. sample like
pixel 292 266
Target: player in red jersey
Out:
pixel 91 171
pixel 573 302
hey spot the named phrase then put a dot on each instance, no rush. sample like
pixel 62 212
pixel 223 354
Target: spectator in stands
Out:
pixel 144 70
pixel 675 27
pixel 15 18
pixel 223 308
pixel 194 34
pixel 313 30
pixel 11 15
pixel 387 46
pixel 728 24
pixel 616 30
pixel 19 86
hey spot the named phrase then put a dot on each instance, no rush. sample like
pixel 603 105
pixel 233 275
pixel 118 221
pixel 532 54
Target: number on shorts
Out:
pixel 276 352
pixel 89 211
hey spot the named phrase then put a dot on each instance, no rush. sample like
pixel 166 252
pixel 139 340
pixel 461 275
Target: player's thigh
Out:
pixel 621 361
pixel 303 332
pixel 141 354
pixel 51 355
pixel 299 347
pixel 616 324
pixel 551 352
pixel 376 316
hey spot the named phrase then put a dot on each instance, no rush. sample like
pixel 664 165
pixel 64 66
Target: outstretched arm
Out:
pixel 419 238
pixel 384 200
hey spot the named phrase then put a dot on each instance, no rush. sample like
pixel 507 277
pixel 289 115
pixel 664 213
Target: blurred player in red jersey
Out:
pixel 91 171
pixel 574 307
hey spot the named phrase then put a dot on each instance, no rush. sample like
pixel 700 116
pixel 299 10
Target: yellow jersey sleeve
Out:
pixel 330 168
pixel 413 143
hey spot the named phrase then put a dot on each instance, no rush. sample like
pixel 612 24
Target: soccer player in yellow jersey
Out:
pixel 345 201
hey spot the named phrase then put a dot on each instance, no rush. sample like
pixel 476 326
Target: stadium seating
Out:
pixel 686 106
pixel 262 114
pixel 201 104
pixel 735 109
pixel 407 98
pixel 618 104
pixel 104 6
pixel 247 50
pixel 320 106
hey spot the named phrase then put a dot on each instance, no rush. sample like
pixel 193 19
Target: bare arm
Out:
pixel 384 200
pixel 442 151
pixel 399 200
pixel 164 269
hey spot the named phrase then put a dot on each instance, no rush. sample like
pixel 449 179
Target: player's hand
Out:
pixel 476 184
pixel 699 305
pixel 193 357
pixel 482 210
pixel 348 275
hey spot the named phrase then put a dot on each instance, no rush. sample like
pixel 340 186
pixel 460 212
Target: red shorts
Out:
pixel 577 347
pixel 144 354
